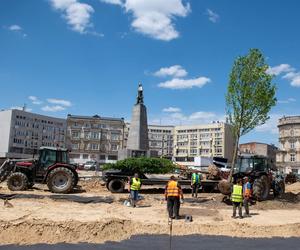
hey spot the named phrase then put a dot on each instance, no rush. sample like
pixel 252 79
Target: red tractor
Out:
pixel 52 168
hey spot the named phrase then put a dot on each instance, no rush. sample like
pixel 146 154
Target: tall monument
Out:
pixel 137 142
pixel 138 132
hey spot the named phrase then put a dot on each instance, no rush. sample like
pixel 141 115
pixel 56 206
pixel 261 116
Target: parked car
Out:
pixel 91 165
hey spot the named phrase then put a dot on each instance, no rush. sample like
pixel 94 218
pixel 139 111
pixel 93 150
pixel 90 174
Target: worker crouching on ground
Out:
pixel 237 198
pixel 134 188
pixel 247 194
pixel 195 184
pixel 173 192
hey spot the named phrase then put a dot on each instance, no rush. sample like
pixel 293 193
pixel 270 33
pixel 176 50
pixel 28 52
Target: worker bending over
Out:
pixel 195 184
pixel 237 198
pixel 173 192
pixel 134 187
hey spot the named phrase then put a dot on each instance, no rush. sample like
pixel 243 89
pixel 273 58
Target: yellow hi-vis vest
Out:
pixel 196 178
pixel 136 184
pixel 237 193
pixel 172 189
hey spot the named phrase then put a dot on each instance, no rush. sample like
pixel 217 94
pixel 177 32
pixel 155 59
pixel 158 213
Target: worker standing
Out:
pixel 247 194
pixel 237 198
pixel 134 187
pixel 173 192
pixel 195 183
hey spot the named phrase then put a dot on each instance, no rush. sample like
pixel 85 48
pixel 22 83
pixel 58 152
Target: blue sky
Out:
pixel 87 56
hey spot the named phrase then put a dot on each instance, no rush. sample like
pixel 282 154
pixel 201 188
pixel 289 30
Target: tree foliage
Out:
pixel 143 165
pixel 250 95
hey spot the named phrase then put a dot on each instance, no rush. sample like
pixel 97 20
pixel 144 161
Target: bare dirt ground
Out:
pixel 92 214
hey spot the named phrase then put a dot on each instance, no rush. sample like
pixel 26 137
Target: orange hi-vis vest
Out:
pixel 172 189
pixel 247 192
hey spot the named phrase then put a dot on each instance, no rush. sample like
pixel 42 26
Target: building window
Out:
pixel 114 137
pixel 292 145
pixel 94 146
pixel 75 146
pixel 95 135
pixel 292 157
pixel 112 157
pixel 75 135
pixel 85 156
pixel 295 170
pixel 114 147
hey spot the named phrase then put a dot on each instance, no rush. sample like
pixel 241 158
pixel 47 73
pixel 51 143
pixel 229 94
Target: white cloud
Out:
pixel 60 102
pixel 289 72
pixel 77 14
pixel 289 100
pixel 279 69
pixel 212 16
pixel 15 27
pixel 21 108
pixel 171 110
pixel 117 2
pixel 34 100
pixel 176 118
pixel 54 108
pixel 271 125
pixel 178 83
pixel 154 18
pixel 174 71
pixel 294 77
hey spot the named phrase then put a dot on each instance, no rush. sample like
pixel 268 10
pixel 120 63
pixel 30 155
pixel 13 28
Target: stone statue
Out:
pixel 140 97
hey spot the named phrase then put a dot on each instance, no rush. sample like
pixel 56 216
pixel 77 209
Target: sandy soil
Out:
pixel 44 220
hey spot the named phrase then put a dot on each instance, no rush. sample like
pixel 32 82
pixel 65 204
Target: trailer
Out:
pixel 115 181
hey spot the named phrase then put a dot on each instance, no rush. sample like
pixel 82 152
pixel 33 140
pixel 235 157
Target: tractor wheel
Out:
pixel 17 181
pixel 261 188
pixel 116 186
pixel 61 180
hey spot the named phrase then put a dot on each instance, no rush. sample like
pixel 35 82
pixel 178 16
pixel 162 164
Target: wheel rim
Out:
pixel 16 183
pixel 60 180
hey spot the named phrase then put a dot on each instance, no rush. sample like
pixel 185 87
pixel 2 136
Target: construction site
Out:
pixel 92 214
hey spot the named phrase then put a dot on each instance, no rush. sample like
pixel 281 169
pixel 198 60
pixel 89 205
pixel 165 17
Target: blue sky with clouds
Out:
pixel 87 56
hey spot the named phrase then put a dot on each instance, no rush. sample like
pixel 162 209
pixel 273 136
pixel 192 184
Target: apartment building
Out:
pixel 95 138
pixel 161 140
pixel 288 155
pixel 23 133
pixel 208 140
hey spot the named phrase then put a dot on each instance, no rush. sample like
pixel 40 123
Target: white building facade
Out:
pixel 206 140
pixel 23 133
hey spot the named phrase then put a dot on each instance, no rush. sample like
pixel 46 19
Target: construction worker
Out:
pixel 173 192
pixel 195 183
pixel 237 198
pixel 247 194
pixel 134 187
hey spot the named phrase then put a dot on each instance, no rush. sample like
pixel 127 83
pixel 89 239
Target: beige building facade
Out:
pixel 207 140
pixel 288 156
pixel 94 138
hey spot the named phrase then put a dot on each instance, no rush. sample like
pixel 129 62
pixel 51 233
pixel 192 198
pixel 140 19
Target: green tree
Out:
pixel 250 96
pixel 143 165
